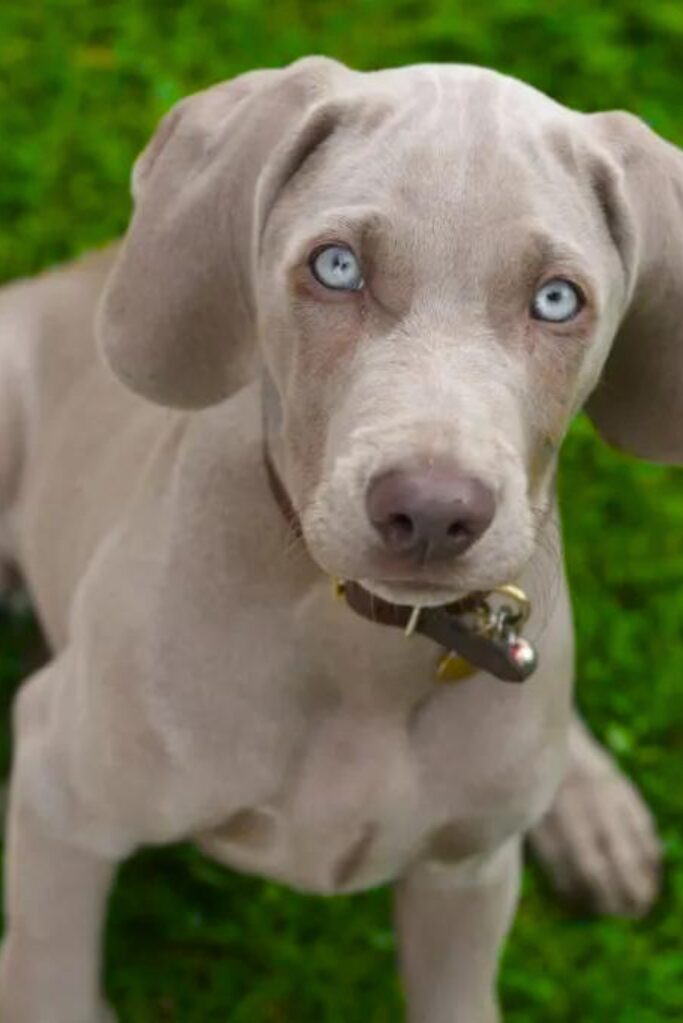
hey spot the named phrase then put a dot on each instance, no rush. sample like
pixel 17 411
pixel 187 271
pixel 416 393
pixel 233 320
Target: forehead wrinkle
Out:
pixel 435 79
pixel 460 172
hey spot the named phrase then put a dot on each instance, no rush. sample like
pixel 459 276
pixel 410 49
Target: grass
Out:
pixel 81 85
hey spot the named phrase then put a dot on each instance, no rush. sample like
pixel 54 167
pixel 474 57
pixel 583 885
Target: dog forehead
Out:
pixel 430 129
pixel 458 99
pixel 456 146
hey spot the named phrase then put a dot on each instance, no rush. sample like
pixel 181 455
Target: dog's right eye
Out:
pixel 336 267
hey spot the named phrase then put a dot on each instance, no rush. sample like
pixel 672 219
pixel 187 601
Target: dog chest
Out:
pixel 365 798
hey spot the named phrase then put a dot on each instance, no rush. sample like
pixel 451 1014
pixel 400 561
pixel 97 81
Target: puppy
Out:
pixel 353 317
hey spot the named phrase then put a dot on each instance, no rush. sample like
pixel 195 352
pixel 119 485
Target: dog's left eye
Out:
pixel 557 301
pixel 336 267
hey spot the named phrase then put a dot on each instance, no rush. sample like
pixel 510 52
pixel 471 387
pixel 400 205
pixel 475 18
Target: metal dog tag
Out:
pixel 490 639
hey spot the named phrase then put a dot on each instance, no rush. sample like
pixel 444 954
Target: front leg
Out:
pixel 452 920
pixel 56 883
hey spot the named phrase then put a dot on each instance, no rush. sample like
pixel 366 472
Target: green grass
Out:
pixel 81 85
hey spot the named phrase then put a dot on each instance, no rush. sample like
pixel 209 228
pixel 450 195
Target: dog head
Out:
pixel 440 266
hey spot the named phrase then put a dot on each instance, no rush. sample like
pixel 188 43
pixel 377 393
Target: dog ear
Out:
pixel 638 404
pixel 177 313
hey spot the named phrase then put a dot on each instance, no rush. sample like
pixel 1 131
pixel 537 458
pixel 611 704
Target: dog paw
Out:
pixel 598 842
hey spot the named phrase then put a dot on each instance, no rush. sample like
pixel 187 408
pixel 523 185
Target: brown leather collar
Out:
pixel 449 625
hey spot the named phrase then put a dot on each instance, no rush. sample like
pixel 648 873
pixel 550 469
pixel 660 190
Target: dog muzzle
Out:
pixel 480 632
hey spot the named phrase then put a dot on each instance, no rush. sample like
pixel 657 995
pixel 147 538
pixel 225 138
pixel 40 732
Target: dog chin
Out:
pixel 413 593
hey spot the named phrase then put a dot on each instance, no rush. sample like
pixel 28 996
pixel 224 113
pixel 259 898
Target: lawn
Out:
pixel 82 84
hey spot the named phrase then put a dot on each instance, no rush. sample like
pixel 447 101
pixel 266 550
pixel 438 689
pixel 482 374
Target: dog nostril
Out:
pixel 457 530
pixel 401 524
pixel 398 529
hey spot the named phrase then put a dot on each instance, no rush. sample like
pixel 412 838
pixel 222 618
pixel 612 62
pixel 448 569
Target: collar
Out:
pixel 474 633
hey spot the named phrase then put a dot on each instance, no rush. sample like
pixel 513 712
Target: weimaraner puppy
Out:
pixel 353 317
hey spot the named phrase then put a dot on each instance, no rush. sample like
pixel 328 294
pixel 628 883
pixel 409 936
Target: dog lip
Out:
pixel 415 584
pixel 412 591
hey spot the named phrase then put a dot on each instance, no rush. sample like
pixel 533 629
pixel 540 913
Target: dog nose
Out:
pixel 433 512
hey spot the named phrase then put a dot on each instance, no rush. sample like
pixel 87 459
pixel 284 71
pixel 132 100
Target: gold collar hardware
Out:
pixel 479 633
pixel 500 624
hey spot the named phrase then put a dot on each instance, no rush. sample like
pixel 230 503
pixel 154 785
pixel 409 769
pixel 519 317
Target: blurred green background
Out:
pixel 82 85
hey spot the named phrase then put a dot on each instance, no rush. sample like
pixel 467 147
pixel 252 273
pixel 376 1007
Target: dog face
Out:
pixel 406 287
pixel 435 262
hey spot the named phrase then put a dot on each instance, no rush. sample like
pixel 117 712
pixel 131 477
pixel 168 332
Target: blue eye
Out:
pixel 557 301
pixel 337 268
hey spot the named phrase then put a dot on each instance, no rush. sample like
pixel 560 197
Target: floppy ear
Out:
pixel 638 404
pixel 178 308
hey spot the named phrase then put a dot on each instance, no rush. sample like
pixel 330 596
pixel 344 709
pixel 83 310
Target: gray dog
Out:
pixel 354 316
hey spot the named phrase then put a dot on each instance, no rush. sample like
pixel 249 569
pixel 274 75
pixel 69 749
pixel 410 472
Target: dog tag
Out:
pixel 487 639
